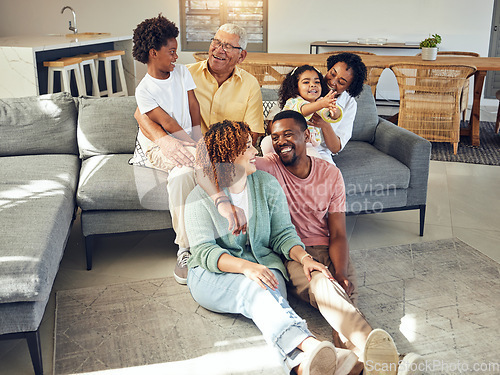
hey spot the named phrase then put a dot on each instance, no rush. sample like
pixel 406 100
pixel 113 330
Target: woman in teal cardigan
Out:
pixel 245 274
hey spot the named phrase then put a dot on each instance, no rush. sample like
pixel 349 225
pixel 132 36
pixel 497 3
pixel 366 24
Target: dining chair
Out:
pixel 430 99
pixel 268 75
pixel 200 56
pixel 464 100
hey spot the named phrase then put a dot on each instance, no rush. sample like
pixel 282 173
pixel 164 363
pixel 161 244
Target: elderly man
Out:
pixel 224 91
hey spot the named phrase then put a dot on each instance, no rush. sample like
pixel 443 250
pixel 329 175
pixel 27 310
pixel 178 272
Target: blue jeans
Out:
pixel 234 293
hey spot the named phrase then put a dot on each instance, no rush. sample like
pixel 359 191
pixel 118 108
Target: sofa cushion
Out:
pixel 36 211
pixel 106 126
pixel 43 124
pixel 366 119
pixel 368 170
pixel 108 182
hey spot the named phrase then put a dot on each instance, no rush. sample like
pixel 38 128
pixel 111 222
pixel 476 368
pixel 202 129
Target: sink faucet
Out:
pixel 71 27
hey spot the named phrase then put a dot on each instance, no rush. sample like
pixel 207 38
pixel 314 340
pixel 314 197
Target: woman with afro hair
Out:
pixel 244 274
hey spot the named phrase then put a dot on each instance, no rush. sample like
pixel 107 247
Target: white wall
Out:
pixel 293 24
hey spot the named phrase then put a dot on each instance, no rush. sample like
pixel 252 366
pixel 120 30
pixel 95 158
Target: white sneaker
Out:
pixel 380 355
pixel 322 360
pixel 346 360
pixel 411 364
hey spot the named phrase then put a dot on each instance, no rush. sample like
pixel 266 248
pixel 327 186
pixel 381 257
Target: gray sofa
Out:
pixel 385 167
pixel 55 150
pixel 115 197
pixel 39 168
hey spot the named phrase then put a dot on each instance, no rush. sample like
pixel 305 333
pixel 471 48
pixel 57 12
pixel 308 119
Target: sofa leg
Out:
pixel 422 219
pixel 33 339
pixel 89 247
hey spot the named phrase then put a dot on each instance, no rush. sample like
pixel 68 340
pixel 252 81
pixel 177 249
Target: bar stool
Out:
pixel 107 57
pixel 65 66
pixel 89 59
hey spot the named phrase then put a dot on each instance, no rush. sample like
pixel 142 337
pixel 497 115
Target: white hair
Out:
pixel 231 28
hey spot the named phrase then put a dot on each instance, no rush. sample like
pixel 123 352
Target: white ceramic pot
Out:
pixel 429 53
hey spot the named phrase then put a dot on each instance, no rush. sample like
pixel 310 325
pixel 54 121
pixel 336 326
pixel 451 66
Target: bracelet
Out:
pixel 304 256
pixel 221 199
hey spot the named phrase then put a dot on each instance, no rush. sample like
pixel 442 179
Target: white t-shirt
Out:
pixel 169 94
pixel 240 200
pixel 342 128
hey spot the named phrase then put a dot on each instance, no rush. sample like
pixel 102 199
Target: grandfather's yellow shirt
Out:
pixel 237 99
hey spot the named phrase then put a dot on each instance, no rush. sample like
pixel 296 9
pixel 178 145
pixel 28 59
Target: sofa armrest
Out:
pixel 411 150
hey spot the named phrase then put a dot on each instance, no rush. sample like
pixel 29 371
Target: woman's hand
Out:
pixel 345 284
pixel 318 122
pixel 261 274
pixel 310 265
pixel 235 216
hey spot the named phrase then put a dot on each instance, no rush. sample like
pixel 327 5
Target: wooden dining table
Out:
pixel 482 64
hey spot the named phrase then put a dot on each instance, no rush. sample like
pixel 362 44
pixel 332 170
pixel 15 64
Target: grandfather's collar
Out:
pixel 236 72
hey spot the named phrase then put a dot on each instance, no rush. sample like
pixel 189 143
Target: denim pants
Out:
pixel 234 293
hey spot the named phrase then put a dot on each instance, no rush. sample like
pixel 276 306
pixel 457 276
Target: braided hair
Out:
pixel 218 149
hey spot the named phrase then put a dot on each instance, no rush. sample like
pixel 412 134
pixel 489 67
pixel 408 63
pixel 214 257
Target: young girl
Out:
pixel 304 90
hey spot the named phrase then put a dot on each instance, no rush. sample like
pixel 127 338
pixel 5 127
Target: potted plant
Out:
pixel 429 47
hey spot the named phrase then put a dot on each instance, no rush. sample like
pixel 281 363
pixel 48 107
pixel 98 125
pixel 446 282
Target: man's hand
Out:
pixel 345 284
pixel 310 265
pixel 175 150
pixel 235 216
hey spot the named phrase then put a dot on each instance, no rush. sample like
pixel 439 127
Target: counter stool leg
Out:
pixel 109 78
pixel 95 84
pixel 121 72
pixel 65 80
pixel 50 88
pixel 79 80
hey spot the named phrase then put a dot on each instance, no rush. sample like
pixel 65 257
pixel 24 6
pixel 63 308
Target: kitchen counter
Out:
pixel 21 58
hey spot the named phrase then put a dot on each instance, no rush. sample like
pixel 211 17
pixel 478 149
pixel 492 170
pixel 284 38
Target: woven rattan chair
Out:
pixel 430 99
pixel 200 56
pixel 268 75
pixel 464 100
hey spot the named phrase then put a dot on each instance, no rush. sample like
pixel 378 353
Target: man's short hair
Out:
pixel 231 28
pixel 294 115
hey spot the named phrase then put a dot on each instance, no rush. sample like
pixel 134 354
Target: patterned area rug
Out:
pixel 440 299
pixel 487 153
